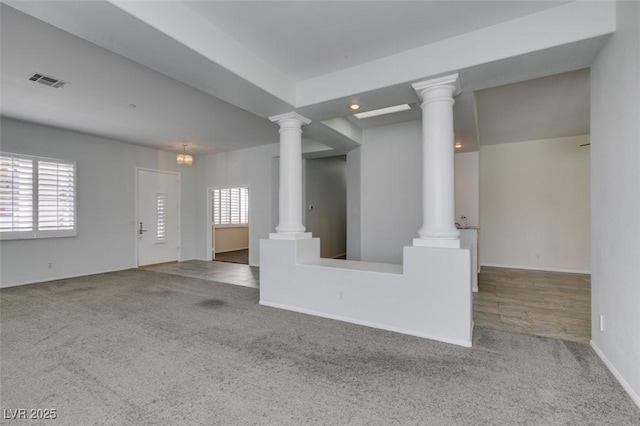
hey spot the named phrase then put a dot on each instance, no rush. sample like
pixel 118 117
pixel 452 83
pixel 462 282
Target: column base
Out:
pixel 436 242
pixel 289 235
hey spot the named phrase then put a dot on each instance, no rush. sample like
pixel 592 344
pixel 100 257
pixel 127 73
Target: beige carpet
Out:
pixel 142 347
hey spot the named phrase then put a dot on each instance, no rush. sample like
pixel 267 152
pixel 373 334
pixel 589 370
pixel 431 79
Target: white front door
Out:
pixel 158 224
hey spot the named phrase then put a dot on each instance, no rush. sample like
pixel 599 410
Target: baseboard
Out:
pixel 465 343
pixel 625 385
pixel 65 277
pixel 533 268
pixel 235 249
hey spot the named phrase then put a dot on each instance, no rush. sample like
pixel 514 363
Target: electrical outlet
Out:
pixel 50 265
pixel 601 322
pixel 340 295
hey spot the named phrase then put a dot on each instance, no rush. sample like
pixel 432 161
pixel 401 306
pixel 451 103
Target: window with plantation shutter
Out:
pixel 56 196
pixel 231 206
pixel 161 217
pixel 37 197
pixel 16 194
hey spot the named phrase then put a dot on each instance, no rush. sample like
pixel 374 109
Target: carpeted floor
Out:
pixel 142 347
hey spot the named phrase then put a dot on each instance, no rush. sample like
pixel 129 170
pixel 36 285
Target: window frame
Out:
pixel 35 232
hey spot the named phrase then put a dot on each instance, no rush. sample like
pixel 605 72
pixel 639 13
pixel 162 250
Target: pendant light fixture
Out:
pixel 184 158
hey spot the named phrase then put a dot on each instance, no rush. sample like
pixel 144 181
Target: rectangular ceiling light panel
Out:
pixel 382 111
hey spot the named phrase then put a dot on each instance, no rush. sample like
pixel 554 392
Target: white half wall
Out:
pixel 106 185
pixel 615 199
pixel 429 295
pixel 535 205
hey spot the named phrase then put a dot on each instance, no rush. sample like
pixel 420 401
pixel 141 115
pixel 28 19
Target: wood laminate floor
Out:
pixel 540 303
pixel 236 256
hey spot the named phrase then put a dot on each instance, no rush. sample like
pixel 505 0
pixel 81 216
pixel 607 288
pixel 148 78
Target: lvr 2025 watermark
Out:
pixel 29 414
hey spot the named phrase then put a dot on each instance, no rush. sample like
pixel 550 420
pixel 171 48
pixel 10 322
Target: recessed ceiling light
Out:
pixel 354 106
pixel 382 111
pixel 458 145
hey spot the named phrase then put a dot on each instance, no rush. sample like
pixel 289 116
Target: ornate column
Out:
pixel 290 196
pixel 438 179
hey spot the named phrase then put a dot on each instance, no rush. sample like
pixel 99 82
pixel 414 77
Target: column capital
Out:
pixel 290 117
pixel 451 80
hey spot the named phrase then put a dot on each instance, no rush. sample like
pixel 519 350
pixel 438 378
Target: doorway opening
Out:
pixel 230 224
pixel 326 204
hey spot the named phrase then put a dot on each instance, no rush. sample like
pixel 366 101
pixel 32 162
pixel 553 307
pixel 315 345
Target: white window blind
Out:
pixel 37 197
pixel 56 196
pixel 231 206
pixel 16 194
pixel 161 217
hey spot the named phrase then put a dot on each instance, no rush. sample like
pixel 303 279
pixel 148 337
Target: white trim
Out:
pixel 210 243
pixel 625 385
pixel 452 80
pixel 66 277
pixel 290 116
pixel 465 343
pixel 533 268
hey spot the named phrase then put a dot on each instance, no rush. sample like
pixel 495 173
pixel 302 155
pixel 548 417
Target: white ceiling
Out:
pixel 112 58
pixel 102 85
pixel 305 39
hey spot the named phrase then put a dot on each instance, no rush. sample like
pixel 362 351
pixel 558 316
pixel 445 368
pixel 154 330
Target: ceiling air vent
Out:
pixel 47 81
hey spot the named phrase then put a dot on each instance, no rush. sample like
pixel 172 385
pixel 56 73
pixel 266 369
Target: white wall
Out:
pixel 534 205
pixel 106 179
pixel 326 191
pixel 615 192
pixel 467 171
pixel 353 205
pixel 391 190
pixel 253 167
pixel 390 163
